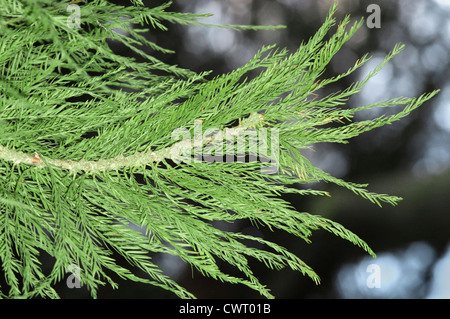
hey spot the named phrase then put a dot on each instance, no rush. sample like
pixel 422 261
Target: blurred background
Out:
pixel 410 159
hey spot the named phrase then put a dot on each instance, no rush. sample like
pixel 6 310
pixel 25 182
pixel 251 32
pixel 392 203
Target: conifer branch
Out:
pixel 90 169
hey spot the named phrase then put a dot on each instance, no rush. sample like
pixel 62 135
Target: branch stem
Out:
pixel 139 159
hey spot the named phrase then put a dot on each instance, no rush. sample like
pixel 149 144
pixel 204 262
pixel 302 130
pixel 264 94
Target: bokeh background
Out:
pixel 410 159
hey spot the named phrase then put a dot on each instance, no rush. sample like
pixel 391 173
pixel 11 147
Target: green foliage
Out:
pixel 86 148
